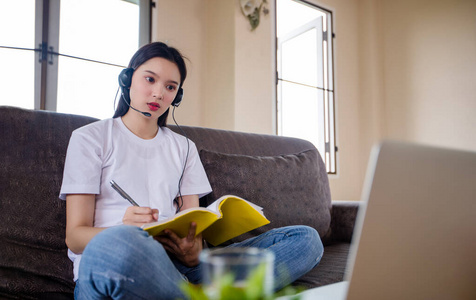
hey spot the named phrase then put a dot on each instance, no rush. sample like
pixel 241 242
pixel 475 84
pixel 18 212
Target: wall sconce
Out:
pixel 251 9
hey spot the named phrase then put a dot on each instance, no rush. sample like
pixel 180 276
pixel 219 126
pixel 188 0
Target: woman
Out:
pixel 162 172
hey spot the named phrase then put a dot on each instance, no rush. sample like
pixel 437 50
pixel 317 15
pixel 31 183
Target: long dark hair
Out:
pixel 156 49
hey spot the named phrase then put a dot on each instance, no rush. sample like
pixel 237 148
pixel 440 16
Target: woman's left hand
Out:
pixel 186 249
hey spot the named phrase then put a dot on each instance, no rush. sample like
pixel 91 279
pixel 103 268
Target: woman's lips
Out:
pixel 153 106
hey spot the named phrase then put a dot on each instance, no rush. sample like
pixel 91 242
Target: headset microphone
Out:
pixel 142 112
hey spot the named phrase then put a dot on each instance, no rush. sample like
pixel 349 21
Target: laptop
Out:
pixel 415 236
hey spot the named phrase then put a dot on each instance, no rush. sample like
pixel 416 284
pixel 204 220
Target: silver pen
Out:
pixel 122 193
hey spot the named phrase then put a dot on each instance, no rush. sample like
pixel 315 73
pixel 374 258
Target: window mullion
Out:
pixel 321 113
pixel 52 61
pixel 46 64
pixel 145 21
pixel 39 79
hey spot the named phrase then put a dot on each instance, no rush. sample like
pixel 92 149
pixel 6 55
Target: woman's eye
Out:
pixel 150 79
pixel 171 87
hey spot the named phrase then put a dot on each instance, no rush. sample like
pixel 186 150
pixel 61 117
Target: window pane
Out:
pixel 17 26
pixel 18 83
pixel 17 23
pixel 299 60
pixel 106 30
pixel 305 107
pixel 292 14
pixel 86 88
pixel 302 114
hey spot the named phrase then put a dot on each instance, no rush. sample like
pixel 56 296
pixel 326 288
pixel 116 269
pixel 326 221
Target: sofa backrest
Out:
pixel 33 254
pixel 285 176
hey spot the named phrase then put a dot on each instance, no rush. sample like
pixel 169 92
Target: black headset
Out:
pixel 125 80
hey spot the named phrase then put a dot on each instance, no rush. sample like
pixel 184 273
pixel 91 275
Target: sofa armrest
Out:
pixel 343 216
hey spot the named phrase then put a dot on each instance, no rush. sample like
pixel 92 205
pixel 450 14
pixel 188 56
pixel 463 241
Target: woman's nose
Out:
pixel 158 92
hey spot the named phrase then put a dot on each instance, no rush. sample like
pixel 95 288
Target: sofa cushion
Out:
pixel 292 189
pixel 33 253
pixel 331 268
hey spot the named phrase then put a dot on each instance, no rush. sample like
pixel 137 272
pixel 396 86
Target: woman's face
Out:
pixel 154 86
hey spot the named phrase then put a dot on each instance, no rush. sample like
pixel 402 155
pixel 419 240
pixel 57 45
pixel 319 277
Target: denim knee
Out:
pixel 126 261
pixel 311 243
pixel 115 245
pixel 113 237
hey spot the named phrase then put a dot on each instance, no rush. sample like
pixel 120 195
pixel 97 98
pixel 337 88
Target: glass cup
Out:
pixel 237 273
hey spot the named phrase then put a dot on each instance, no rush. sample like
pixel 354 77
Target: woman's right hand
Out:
pixel 138 215
pixel 80 218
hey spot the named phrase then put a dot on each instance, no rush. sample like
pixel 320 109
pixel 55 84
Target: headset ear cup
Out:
pixel 125 78
pixel 178 98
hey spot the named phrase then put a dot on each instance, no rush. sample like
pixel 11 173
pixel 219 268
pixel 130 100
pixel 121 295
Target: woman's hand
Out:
pixel 138 215
pixel 185 249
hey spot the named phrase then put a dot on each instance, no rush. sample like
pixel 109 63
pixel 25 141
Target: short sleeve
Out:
pixel 82 170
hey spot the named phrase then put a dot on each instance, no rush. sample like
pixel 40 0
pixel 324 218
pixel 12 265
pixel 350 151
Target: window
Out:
pixel 66 55
pixel 305 104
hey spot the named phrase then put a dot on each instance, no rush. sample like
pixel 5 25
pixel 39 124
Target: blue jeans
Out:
pixel 124 262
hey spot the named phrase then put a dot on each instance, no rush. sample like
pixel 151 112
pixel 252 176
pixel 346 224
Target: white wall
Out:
pixel 430 72
pixel 182 24
pixel 403 70
pixel 255 72
pixel 231 69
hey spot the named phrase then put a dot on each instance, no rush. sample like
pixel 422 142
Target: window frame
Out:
pixel 47 19
pixel 330 139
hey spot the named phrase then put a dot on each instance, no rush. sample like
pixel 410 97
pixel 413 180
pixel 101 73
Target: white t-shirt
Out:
pixel 148 170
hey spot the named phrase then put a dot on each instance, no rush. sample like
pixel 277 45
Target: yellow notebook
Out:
pixel 226 218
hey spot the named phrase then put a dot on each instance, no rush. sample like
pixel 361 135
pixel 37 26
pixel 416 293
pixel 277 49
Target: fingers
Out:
pixel 179 244
pixel 138 216
pixel 192 231
pixel 173 236
pixel 141 210
pixel 168 244
pixel 155 214
pixel 189 238
pixel 186 249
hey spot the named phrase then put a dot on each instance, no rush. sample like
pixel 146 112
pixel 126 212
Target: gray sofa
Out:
pixel 286 176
